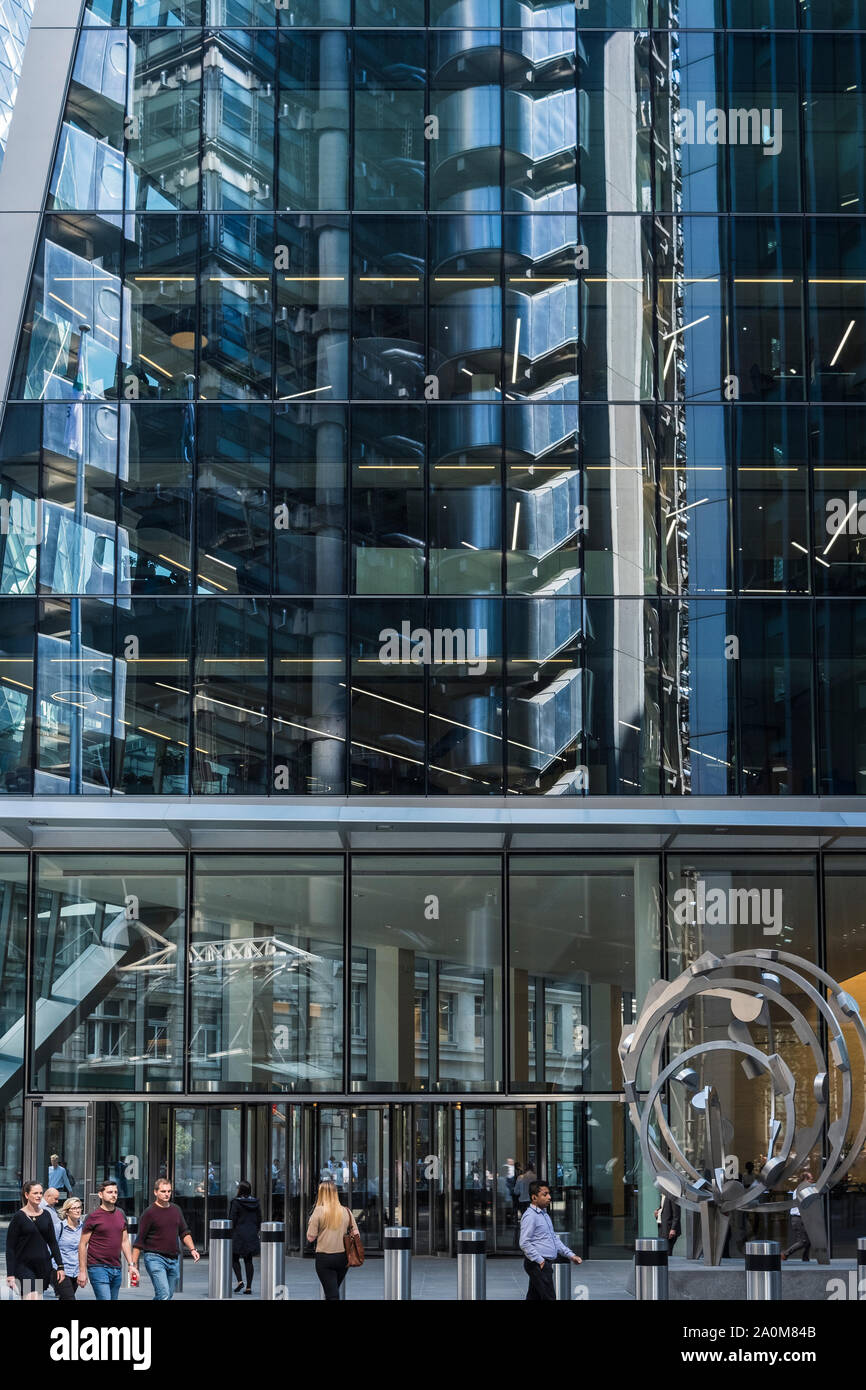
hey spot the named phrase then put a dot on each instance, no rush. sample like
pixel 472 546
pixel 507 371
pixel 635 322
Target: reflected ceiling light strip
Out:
pixel 233 660
pixel 382 467
pixel 142 730
pixel 244 279
pixel 164 279
pixel 150 362
pixel 12 681
pixel 671 350
pixel 390 279
pixel 626 725
pixel 177 564
pixel 837 533
pixel 206 579
pixel 314 390
pixel 813 280
pixel 468 546
pixel 688 279
pixel 224 563
pixel 848 202
pixel 305 660
pixel 542 279
pixel 675 331
pixel 708 756
pixel 693 468
pixel 463 467
pixel 822 562
pixel 177 688
pixel 516 361
pixel 464 279
pixel 769 468
pixel 762 280
pixel 614 279
pixel 226 704
pixel 845 336
pixel 514 528
pixel 298 279
pixel 798 546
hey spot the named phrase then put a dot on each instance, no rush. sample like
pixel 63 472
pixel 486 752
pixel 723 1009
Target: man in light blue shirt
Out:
pixel 541 1245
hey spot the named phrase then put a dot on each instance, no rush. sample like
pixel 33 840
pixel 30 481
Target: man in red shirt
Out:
pixel 161 1227
pixel 103 1237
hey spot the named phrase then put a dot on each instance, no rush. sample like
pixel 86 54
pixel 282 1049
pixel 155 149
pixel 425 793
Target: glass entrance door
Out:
pixel 65 1132
pixel 352 1148
pixel 495 1159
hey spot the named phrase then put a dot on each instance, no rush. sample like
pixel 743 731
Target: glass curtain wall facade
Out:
pixel 15 16
pixel 604 264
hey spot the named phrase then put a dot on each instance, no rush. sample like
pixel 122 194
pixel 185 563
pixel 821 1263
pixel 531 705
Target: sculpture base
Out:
pixel 693 1282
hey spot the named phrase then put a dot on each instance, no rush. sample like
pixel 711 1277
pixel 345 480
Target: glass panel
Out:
pixel 617 362
pixel 238 116
pixel 108 987
pixel 388 500
pixel 613 1169
pixel 515 1153
pixel 695 445
pixel 154 536
pixel 309 696
pixel 13 995
pixel 266 960
pixel 772 500
pixel 236 336
pixel 763 127
pixel 546 746
pixel 89 169
pixel 775 662
pixel 618 520
pixel 466 101
pixel 544 519
pixel 844 885
pixel 699 691
pixel 61 1142
pixel 566 1164
pixel 837 298
pixel 692 313
pixel 622 718
pixel 388 340
pixel 388 754
pixel 77 553
pixel 767 350
pixel 120 1152
pixel 389 109
pixel 465 309
pixel 310 451
pixel 190 1169
pixel 840 634
pixel 312 301
pixel 151 683
pixel 834 125
pixel 163 153
pixel 838 442
pixel 690 170
pixel 615 124
pixel 313 120
pixel 74 693
pixel 161 260
pixel 21 519
pixel 426 1007
pixel 463 644
pixel 230 704
pixel 234 500
pixel 17 640
pixel 574 985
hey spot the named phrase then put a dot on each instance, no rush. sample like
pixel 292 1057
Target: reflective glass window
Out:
pixel 388 688
pixel 699 694
pixel 462 650
pixel 465 499
pixel 578 976
pixel 234 518
pixel 155 517
pixel 692 312
pixel 310 467
pixel 840 635
pixel 389 111
pixel 266 961
pixel 762 123
pixel 844 887
pixel 546 750
pixel 837 300
pixel 152 698
pixel 614 122
pixel 13 1007
pixel 767 348
pixel 616 311
pixel 466 101
pixel 775 663
pixel 544 522
pixel 89 169
pixel 230 703
pixel 695 444
pixel 388 285
pixel 238 117
pixel 309 696
pixel 313 121
pixel 772 500
pixel 837 438
pixel 622 714
pixel 77 552
pixel 388 499
pixel 21 513
pixel 834 123
pixel 17 626
pixel 235 341
pixel 690 170
pixel 312 309
pixel 618 522
pixel 465 308
pixel 161 298
pixel 426 958
pixel 163 149
pixel 109 950
pixel 75 684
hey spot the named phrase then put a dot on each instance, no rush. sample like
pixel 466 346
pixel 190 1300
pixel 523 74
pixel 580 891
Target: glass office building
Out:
pixel 15 18
pixel 284 267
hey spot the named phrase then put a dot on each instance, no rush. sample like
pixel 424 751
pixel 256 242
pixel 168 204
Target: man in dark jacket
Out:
pixel 668 1218
pixel 245 1214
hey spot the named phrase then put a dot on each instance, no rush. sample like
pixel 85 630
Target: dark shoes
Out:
pixel 239 1286
pixel 247 1290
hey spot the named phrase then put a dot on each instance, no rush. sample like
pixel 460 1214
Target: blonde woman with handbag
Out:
pixel 338 1240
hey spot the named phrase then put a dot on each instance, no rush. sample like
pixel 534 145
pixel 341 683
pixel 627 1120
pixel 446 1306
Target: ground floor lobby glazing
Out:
pixel 423 1028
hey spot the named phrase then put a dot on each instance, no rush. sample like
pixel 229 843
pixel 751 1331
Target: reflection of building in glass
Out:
pixel 15 17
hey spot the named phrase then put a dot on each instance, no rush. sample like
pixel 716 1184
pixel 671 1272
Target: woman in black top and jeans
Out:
pixel 31 1245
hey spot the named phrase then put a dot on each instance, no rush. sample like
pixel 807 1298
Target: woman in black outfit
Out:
pixel 245 1214
pixel 31 1245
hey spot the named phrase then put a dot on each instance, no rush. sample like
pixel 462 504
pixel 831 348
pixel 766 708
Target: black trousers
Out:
pixel 248 1268
pixel 800 1241
pixel 541 1288
pixel 331 1270
pixel 37 1281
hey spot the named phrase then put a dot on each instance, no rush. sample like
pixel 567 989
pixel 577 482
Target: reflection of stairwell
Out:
pixel 75 993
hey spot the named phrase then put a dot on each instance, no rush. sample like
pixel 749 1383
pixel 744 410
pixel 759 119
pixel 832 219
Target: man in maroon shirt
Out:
pixel 161 1227
pixel 103 1237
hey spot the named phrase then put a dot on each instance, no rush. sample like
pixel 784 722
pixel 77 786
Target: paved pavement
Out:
pixel 433 1280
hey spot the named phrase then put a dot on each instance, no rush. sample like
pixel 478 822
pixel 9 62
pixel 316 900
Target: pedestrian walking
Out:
pixel 50 1198
pixel 104 1236
pixel 31 1245
pixel 245 1214
pixel 799 1234
pixel 69 1239
pixel 669 1222
pixel 59 1177
pixel 160 1228
pixel 329 1225
pixel 541 1245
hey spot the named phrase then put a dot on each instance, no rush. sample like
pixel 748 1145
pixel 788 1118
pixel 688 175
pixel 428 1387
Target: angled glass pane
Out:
pixel 310 506
pixel 152 698
pixel 309 696
pixel 74 689
pixel 154 537
pixel 230 705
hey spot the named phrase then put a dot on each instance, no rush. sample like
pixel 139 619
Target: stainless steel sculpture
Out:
pixel 751 982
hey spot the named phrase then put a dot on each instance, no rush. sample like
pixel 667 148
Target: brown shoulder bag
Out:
pixel 353 1246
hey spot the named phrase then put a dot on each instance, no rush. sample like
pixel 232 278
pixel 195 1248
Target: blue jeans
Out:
pixel 163 1274
pixel 106 1281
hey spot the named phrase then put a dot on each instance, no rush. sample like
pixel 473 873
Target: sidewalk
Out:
pixel 433 1280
